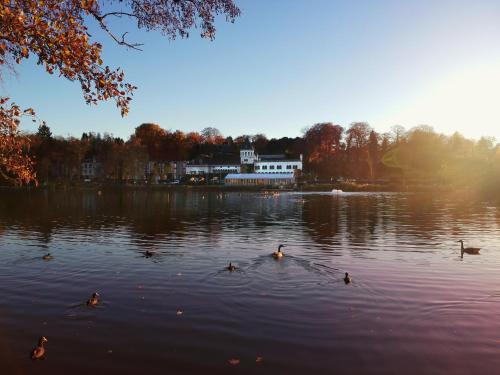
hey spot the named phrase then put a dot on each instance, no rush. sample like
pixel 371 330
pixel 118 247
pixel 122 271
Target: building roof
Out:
pixel 278 160
pixel 214 165
pixel 259 176
pixel 272 157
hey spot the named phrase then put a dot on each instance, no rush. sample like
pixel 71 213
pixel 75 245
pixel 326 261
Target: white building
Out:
pixel 206 169
pixel 277 164
pixel 268 163
pixel 247 154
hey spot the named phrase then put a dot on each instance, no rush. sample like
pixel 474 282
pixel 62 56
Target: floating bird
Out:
pixel 149 253
pixel 468 250
pixel 93 300
pixel 278 254
pixel 47 257
pixel 39 351
pixel 231 267
pixel 347 278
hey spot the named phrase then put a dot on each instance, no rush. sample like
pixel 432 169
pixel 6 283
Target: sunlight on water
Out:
pixel 414 306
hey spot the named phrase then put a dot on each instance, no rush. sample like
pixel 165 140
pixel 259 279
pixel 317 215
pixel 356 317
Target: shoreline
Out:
pixel 344 187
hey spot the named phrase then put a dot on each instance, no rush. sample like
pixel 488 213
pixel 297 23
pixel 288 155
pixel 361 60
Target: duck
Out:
pixel 231 267
pixel 149 253
pixel 39 351
pixel 47 257
pixel 93 300
pixel 347 278
pixel 278 254
pixel 468 250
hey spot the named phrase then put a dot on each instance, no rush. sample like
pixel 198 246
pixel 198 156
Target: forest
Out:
pixel 331 152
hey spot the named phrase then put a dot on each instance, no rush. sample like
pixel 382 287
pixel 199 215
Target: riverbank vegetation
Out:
pixel 357 158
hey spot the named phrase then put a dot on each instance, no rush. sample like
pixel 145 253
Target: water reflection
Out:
pixel 411 305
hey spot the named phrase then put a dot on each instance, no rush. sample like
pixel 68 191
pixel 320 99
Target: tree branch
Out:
pixel 122 41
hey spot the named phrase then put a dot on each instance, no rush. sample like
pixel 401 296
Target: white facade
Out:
pixel 277 166
pixel 201 169
pixel 269 163
pixel 247 156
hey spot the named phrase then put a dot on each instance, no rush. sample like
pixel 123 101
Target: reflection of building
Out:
pixel 273 179
pixel 90 169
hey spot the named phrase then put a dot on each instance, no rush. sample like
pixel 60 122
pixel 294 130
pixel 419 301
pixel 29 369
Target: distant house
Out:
pixel 165 170
pixel 211 169
pixel 90 169
pixel 277 163
pixel 263 179
pixel 268 163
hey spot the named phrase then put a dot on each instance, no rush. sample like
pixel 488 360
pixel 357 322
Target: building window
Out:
pixel 278 167
pixel 271 167
pixel 264 167
pixel 295 167
pixel 257 167
pixel 288 167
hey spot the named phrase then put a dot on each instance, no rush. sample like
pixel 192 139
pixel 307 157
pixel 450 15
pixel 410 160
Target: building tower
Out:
pixel 247 154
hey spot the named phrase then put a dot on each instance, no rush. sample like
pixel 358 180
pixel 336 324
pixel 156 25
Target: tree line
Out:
pixel 331 152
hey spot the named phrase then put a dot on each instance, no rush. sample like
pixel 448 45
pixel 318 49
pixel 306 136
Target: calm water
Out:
pixel 414 306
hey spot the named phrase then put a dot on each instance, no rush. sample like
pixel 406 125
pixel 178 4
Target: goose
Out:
pixel 39 351
pixel 93 300
pixel 231 267
pixel 347 278
pixel 468 250
pixel 47 257
pixel 278 254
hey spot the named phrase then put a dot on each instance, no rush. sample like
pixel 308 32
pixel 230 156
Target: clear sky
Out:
pixel 287 64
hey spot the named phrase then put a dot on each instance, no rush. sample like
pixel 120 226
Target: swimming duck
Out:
pixel 231 267
pixel 468 250
pixel 47 257
pixel 93 300
pixel 149 253
pixel 278 254
pixel 347 278
pixel 39 351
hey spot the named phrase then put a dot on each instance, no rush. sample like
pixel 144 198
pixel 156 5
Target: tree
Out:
pixel 358 137
pixel 16 167
pixel 398 133
pixel 44 132
pixel 56 33
pixel 212 135
pixel 322 142
pixel 151 136
pixel 373 153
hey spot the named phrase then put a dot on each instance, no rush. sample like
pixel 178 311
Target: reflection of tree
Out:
pixel 361 217
pixel 147 215
pixel 321 217
pixel 151 218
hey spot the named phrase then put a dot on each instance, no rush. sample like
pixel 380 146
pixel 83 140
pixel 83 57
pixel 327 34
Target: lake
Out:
pixel 414 305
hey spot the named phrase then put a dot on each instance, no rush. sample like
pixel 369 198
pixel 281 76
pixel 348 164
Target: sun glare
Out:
pixel 466 99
